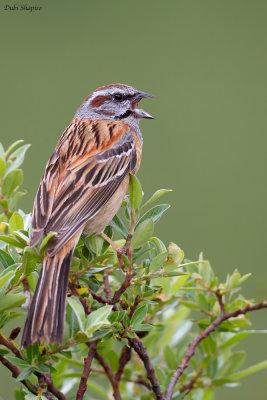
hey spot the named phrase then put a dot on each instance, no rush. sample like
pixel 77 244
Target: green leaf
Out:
pixel 45 242
pixel 4 204
pixel 95 243
pixel 29 262
pixel 5 258
pixel 159 193
pixel 244 278
pixel 25 374
pixel 143 233
pixel 3 350
pixel 5 278
pixel 12 240
pixel 12 180
pixel 179 282
pixel 14 200
pixel 175 255
pixel 44 369
pixel 18 157
pixel 97 319
pixel 120 227
pixel 251 370
pixel 135 193
pixel 155 213
pixel 205 270
pixel 21 237
pixel 143 328
pixel 167 274
pixel 12 267
pixel 31 396
pixel 236 360
pixel 78 311
pixel 2 168
pixel 207 394
pixel 170 358
pixel 16 222
pixel 33 353
pixel 18 362
pixel 159 244
pixel 2 151
pixel 235 339
pixel 190 304
pixel 12 146
pixel 157 262
pixel 139 315
pixel 11 301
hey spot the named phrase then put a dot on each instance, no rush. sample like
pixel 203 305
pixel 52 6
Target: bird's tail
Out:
pixel 46 315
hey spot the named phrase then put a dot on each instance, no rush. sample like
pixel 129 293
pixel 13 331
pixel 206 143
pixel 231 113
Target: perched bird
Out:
pixel 84 183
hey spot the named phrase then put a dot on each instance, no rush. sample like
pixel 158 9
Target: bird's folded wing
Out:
pixel 81 176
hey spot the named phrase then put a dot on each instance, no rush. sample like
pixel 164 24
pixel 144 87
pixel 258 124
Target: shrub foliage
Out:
pixel 141 323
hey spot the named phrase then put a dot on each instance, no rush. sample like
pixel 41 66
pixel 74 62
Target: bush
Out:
pixel 140 325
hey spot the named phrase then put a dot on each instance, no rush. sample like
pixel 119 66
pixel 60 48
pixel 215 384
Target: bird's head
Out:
pixel 114 102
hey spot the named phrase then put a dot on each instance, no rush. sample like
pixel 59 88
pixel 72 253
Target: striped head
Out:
pixel 114 102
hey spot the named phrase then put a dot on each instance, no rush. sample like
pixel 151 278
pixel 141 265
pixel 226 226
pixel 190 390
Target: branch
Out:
pixel 8 344
pixel 50 385
pixel 192 347
pixel 187 388
pixel 98 297
pixel 86 370
pixel 106 283
pixel 139 381
pixel 110 375
pixel 124 359
pixel 125 284
pixel 140 349
pixel 123 287
pixel 133 307
pixel 219 296
pixel 15 373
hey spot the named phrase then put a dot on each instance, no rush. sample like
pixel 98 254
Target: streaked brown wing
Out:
pixel 88 177
pixel 43 202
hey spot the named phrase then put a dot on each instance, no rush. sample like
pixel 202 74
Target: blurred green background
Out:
pixel 206 62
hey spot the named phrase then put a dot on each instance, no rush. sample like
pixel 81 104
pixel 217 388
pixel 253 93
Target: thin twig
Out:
pixel 133 307
pixel 86 370
pixel 98 297
pixel 64 346
pixel 10 346
pixel 192 347
pixel 15 373
pixel 140 349
pixel 139 381
pixel 219 296
pixel 116 297
pixel 188 388
pixel 106 283
pixel 51 387
pixel 110 375
pixel 124 359
pixel 83 301
pixel 123 287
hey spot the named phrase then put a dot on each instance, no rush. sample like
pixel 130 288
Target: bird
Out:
pixel 82 188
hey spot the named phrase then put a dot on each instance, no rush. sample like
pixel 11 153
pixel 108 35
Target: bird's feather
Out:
pixel 81 176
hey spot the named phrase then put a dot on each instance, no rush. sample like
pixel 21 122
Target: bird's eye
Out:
pixel 118 96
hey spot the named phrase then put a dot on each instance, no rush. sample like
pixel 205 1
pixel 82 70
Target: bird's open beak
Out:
pixel 138 112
